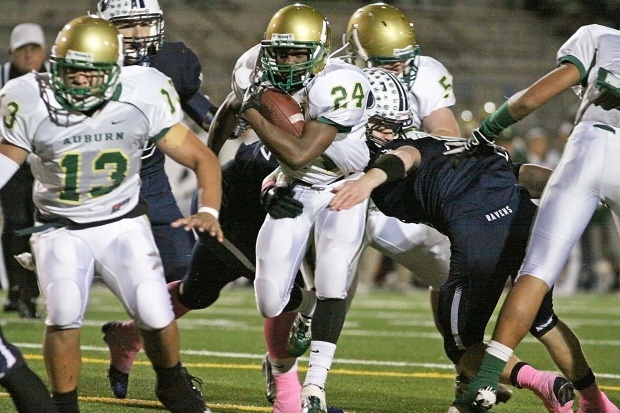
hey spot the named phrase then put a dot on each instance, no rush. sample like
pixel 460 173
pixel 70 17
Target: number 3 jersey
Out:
pixel 86 168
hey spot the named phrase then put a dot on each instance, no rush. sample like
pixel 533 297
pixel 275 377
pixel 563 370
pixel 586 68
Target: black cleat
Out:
pixel 118 382
pixel 193 381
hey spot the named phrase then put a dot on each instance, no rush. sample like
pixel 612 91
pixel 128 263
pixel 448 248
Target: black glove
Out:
pixel 279 202
pixel 474 145
pixel 251 99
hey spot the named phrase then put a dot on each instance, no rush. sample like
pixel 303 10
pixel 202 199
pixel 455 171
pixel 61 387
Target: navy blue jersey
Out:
pixel 478 203
pixel 213 265
pixel 181 65
pixel 242 214
pixel 445 188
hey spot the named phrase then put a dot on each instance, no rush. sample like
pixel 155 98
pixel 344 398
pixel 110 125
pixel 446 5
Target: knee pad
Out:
pixel 268 302
pixel 64 304
pixel 153 307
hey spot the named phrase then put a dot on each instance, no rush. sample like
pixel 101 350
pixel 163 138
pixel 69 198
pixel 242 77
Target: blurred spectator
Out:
pixel 539 148
pixel 600 253
pixel 27 53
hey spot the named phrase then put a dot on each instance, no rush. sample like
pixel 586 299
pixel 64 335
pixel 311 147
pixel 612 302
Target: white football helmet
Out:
pixel 131 13
pixel 390 105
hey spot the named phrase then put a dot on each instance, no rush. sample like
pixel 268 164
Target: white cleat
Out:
pixel 313 399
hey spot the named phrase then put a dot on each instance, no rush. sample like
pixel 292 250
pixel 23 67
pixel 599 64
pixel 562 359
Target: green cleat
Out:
pixel 300 336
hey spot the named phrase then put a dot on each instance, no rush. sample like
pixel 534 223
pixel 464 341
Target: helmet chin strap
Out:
pixel 344 46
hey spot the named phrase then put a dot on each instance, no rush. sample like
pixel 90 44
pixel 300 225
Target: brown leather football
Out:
pixel 282 110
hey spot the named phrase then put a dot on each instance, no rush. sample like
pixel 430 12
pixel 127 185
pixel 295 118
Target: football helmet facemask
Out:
pixel 86 44
pixel 380 35
pixel 293 31
pixel 129 14
pixel 390 108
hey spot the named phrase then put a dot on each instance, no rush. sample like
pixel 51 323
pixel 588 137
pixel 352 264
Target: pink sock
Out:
pixel 276 332
pixel 592 399
pixel 288 394
pixel 528 377
pixel 541 384
pixel 124 342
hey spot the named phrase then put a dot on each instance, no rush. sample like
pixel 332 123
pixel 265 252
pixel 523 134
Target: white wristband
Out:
pixel 209 210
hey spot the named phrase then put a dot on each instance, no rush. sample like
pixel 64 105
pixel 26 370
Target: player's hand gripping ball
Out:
pixel 278 107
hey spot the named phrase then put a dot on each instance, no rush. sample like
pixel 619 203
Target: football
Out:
pixel 280 109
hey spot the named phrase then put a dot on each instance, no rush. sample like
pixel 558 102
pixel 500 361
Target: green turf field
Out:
pixel 390 358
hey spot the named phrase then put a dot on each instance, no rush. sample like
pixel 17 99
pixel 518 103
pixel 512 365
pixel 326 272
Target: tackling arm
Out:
pixel 352 192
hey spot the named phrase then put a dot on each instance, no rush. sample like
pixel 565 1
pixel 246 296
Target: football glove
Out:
pixel 279 202
pixel 474 145
pixel 251 99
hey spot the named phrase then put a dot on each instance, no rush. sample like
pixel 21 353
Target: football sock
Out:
pixel 276 331
pixel 66 402
pixel 288 393
pixel 321 356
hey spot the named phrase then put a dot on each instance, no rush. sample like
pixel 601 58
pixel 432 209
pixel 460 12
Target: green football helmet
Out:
pixel 378 35
pixel 295 27
pixel 90 44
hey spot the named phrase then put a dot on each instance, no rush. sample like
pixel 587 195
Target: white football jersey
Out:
pixel 337 95
pixel 86 168
pixel 430 90
pixel 590 48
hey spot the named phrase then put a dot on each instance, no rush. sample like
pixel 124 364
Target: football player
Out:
pixel 586 175
pixel 87 122
pixel 380 35
pixel 293 57
pixel 142 25
pixel 453 196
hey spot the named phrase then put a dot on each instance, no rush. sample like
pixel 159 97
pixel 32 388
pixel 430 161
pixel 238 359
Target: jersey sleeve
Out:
pixel 580 49
pixel 244 71
pixel 154 94
pixel 21 109
pixel 181 65
pixel 433 87
pixel 339 98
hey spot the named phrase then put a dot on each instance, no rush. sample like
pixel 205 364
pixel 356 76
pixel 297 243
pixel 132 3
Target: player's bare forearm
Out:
pixel 543 90
pixel 184 147
pixel 294 151
pixel 224 123
pixel 353 192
